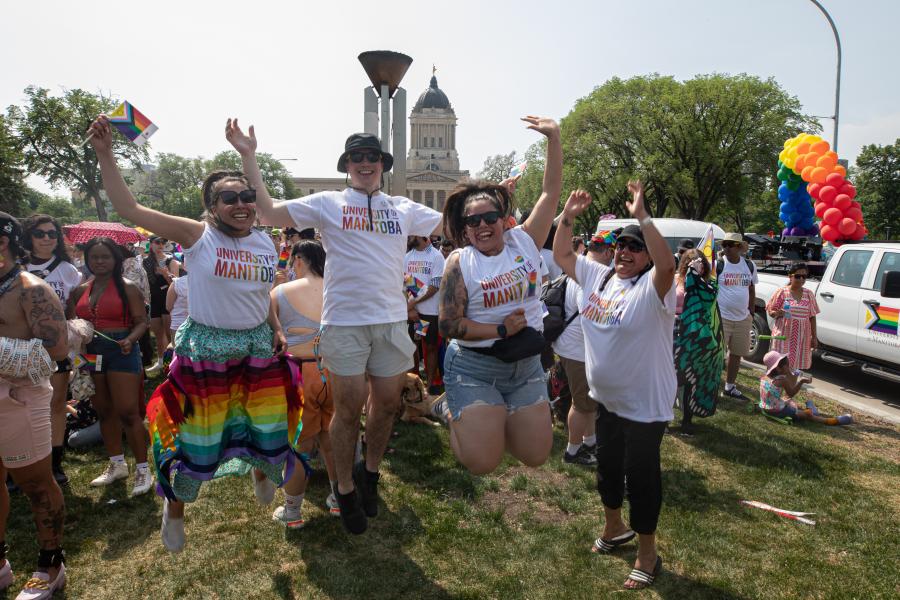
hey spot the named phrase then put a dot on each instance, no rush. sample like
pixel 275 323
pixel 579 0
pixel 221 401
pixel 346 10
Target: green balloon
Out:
pixel 792 185
pixel 780 164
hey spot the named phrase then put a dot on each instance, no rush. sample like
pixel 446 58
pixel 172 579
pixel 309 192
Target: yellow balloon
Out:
pixel 789 162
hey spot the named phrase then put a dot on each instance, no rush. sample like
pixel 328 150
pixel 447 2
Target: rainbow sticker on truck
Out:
pixel 882 319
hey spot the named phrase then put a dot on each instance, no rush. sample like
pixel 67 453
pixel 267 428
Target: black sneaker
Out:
pixel 735 393
pixel 367 484
pixel 352 515
pixel 56 465
pixel 581 457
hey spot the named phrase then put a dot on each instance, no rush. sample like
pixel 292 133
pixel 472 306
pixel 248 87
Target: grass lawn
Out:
pixel 520 533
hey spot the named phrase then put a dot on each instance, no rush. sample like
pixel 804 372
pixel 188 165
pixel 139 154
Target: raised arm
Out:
pixel 44 315
pixel 184 231
pixel 541 218
pixel 657 247
pixel 268 211
pixel 563 253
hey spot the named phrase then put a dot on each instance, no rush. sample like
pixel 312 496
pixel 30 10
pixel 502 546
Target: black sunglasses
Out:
pixel 799 275
pixel 490 217
pixel 230 197
pixel 372 157
pixel 632 245
pixel 730 244
pixel 41 234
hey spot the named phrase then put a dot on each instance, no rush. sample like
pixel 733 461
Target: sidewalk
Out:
pixel 859 402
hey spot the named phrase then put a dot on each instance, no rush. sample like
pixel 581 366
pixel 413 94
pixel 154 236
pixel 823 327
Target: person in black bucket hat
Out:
pixel 364 233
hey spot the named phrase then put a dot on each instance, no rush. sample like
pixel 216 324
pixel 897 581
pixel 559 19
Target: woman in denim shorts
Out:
pixel 115 307
pixel 490 306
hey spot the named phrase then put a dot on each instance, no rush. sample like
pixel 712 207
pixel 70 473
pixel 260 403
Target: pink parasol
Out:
pixel 88 230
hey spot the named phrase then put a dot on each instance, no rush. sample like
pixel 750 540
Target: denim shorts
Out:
pixel 785 412
pixel 474 379
pixel 113 359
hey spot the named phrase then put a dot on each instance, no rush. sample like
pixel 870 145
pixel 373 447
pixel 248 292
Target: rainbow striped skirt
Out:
pixel 226 406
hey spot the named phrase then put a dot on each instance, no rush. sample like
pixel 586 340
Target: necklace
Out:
pixel 8 280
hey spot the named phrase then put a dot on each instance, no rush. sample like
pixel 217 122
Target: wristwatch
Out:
pixel 501 330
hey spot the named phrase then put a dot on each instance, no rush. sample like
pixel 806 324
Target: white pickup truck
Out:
pixel 859 299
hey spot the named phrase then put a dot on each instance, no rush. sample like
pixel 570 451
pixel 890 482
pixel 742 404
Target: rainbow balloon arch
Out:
pixel 808 170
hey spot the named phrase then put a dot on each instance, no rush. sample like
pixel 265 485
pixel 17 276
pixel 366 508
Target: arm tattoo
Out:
pixel 45 316
pixel 566 222
pixel 454 300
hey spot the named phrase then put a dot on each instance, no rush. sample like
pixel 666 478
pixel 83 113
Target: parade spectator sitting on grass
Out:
pixel 779 387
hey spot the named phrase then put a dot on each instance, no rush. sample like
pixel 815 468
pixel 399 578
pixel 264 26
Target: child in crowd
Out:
pixel 780 385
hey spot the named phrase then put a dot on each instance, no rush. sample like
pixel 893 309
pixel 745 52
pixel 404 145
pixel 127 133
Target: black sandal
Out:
pixel 602 546
pixel 643 578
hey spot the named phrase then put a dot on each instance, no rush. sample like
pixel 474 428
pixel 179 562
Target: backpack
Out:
pixel 720 264
pixel 554 298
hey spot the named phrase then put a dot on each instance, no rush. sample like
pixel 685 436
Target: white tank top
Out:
pixel 498 285
pixel 230 279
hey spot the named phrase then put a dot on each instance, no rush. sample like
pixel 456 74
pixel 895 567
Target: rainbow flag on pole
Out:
pixel 89 362
pixel 283 259
pixel 518 169
pixel 132 123
pixel 707 246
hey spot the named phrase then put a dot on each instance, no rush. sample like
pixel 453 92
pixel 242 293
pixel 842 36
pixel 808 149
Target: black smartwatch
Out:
pixel 501 331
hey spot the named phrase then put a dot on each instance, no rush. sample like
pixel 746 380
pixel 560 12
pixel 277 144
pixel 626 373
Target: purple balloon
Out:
pixel 786 231
pixel 796 231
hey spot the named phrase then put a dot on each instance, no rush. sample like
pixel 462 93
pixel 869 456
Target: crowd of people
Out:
pixel 275 343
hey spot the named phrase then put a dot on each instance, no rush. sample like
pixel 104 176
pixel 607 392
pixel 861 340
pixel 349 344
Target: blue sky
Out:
pixel 291 68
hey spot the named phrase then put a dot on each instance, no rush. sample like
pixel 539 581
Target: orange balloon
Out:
pixel 820 147
pixel 840 169
pixel 812 157
pixel 826 162
pixel 800 163
pixel 832 154
pixel 818 175
pixel 806 174
pixel 802 148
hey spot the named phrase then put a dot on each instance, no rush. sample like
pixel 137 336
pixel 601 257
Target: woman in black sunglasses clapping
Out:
pixel 231 400
pixel 49 260
pixel 496 398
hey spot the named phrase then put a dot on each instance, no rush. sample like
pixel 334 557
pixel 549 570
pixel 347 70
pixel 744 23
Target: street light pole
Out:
pixel 837 85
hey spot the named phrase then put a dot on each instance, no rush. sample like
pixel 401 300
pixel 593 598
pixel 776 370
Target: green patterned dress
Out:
pixel 699 346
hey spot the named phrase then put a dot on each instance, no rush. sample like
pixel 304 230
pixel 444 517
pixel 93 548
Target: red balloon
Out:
pixel 821 207
pixel 847 226
pixel 859 234
pixel 828 203
pixel 855 204
pixel 835 180
pixel 813 189
pixel 853 213
pixel 842 202
pixel 848 189
pixel 832 216
pixel 827 194
pixel 828 233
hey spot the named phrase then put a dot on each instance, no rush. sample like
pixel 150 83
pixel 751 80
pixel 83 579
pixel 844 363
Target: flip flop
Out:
pixel 643 578
pixel 602 546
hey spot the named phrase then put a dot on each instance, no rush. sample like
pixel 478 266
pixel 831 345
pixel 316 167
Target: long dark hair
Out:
pixel 208 196
pixel 312 254
pixel 32 222
pixel 117 277
pixel 455 207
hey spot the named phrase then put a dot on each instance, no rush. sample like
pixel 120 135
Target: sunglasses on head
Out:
pixel 632 245
pixel 490 217
pixel 41 234
pixel 371 156
pixel 230 197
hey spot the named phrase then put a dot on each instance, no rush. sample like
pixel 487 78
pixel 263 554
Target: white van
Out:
pixel 674 230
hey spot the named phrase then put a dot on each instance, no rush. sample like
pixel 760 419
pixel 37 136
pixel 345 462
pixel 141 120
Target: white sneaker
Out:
pixel 39 587
pixel 334 509
pixel 114 472
pixel 142 482
pixel 292 519
pixel 264 489
pixel 154 368
pixel 172 530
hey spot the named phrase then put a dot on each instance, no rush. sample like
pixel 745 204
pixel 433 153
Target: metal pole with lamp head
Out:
pixel 837 86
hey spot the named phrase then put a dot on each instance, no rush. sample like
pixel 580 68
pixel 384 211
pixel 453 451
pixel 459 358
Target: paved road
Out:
pixel 849 386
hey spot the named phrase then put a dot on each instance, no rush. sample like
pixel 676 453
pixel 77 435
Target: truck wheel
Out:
pixel 758 347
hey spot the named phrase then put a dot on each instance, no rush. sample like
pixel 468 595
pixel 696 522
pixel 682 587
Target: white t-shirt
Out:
pixel 497 285
pixel 230 279
pixel 422 269
pixel 179 311
pixel 734 289
pixel 364 270
pixel 63 279
pixel 553 269
pixel 628 343
pixel 570 343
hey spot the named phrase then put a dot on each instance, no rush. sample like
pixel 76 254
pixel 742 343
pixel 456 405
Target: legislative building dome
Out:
pixel 433 97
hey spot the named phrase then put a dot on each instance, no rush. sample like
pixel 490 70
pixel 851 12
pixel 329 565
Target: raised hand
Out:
pixel 636 206
pixel 243 143
pixel 544 125
pixel 101 135
pixel 510 183
pixel 576 204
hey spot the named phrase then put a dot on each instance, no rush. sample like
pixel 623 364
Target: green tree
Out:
pixel 12 172
pixel 705 147
pixel 496 168
pixel 878 183
pixel 50 130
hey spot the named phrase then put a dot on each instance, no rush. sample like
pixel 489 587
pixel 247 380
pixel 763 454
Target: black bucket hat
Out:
pixel 361 142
